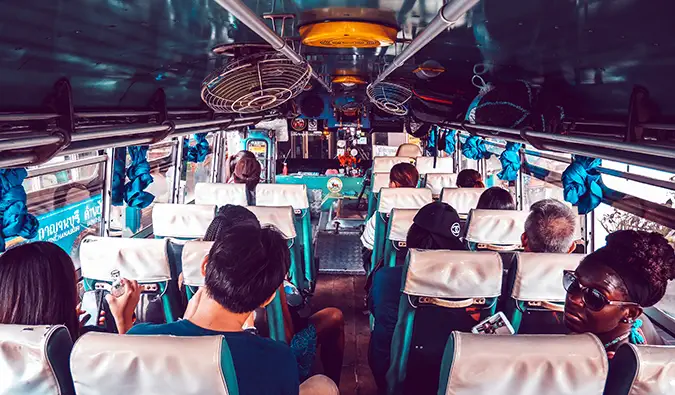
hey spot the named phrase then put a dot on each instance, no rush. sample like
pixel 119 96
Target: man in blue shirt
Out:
pixel 243 270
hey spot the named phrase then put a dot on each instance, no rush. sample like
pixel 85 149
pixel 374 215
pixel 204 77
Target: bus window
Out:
pixel 197 172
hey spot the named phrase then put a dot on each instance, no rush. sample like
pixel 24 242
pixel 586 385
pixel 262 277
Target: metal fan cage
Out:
pixel 389 97
pixel 255 83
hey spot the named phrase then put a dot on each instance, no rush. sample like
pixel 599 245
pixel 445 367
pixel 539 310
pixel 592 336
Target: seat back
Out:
pixel 497 230
pixel 442 291
pixel 425 165
pixel 400 221
pixel 437 182
pixel 193 255
pixel 642 370
pixel 110 364
pixel 409 149
pixel 462 199
pixel 220 194
pixel 34 360
pixel 383 164
pixel 182 221
pixel 143 260
pixel 523 365
pixel 537 297
pixel 277 195
pixel 379 181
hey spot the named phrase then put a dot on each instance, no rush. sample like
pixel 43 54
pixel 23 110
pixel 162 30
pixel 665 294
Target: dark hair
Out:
pixel 234 159
pixel 643 260
pixel 246 266
pixel 247 171
pixel 404 175
pixel 38 286
pixel 227 217
pixel 470 178
pixel 496 198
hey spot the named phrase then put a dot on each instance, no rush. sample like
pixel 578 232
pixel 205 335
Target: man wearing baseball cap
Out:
pixel 435 227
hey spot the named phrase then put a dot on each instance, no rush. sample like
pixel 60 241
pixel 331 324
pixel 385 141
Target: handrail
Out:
pixel 18 160
pixel 13 117
pixel 67 165
pixel 119 131
pixel 103 114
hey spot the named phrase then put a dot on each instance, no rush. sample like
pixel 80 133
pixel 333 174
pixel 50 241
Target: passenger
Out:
pixel 245 267
pixel 39 287
pixel 436 226
pixel 607 293
pixel 323 330
pixel 247 171
pixel 550 227
pixel 496 198
pixel 469 178
pixel 402 175
pixel 232 161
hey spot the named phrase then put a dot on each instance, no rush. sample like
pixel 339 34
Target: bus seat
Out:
pixel 397 233
pixel 379 181
pixel 391 198
pixel 143 260
pixel 642 370
pixel 537 296
pixel 34 360
pixel 111 364
pixel 220 194
pixel 409 150
pixel 182 221
pixel 425 165
pixel 462 199
pixel 442 291
pixel 193 254
pixel 282 218
pixel 523 365
pixel 383 164
pixel 439 181
pixel 495 230
pixel 294 195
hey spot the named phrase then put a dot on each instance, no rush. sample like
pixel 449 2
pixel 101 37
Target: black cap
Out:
pixel 442 221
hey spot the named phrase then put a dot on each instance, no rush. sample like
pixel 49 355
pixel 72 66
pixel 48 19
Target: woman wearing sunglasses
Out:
pixel 608 291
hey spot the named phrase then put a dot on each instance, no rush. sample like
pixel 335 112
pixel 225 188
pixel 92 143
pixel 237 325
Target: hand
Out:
pixel 122 308
pixel 193 304
pixel 84 316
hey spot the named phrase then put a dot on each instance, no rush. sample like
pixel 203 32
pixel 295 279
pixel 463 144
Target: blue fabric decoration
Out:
pixel 303 345
pixel 14 217
pixel 510 160
pixel 119 164
pixel 635 336
pixel 431 142
pixel 139 178
pixel 450 141
pixel 198 152
pixel 474 148
pixel 582 183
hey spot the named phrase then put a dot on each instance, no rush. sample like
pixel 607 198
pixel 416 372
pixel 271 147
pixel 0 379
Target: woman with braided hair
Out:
pixel 607 293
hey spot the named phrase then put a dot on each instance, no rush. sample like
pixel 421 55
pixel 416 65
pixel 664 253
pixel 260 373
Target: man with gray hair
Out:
pixel 550 227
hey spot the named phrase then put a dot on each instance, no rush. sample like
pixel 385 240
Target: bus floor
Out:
pixel 347 293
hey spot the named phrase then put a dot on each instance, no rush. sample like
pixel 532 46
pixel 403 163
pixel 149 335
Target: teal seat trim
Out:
pixel 227 367
pixel 446 365
pixel 380 232
pixel 275 319
pixel 400 346
pixel 58 350
pixel 295 270
pixel 190 291
pixel 303 229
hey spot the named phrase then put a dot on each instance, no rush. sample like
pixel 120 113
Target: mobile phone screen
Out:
pixel 90 304
pixel 497 324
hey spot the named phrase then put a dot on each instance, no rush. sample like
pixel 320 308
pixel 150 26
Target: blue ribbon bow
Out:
pixel 635 335
pixel 119 165
pixel 198 152
pixel 474 148
pixel 510 160
pixel 582 183
pixel 139 178
pixel 14 217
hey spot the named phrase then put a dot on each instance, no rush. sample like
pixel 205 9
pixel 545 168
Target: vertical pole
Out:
pixel 216 162
pixel 456 154
pixel 106 200
pixel 178 171
pixel 520 186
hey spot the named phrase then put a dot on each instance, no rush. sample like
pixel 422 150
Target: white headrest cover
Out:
pixel 539 276
pixel 383 164
pixel 380 180
pixel 412 198
pixel 527 365
pixel 277 195
pixel 462 199
pixel 192 257
pixel 453 274
pixel 24 368
pixel 220 194
pixel 105 363
pixel 655 370
pixel 182 220
pixel 425 165
pixel 143 260
pixel 401 220
pixel 409 149
pixel 281 217
pixel 437 181
pixel 496 226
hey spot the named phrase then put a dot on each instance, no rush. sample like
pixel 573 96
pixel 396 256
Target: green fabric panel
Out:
pixel 166 303
pixel 275 319
pixel 190 291
pixel 297 276
pixel 378 247
pixel 58 351
pixel 514 312
pixel 400 346
pixel 446 364
pixel 307 244
pixel 227 366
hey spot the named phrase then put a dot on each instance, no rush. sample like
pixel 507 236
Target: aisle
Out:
pixel 347 293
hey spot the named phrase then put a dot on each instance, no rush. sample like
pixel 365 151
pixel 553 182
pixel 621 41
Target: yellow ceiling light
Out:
pixel 348 80
pixel 347 34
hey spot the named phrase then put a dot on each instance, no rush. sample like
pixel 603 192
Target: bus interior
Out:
pixel 125 115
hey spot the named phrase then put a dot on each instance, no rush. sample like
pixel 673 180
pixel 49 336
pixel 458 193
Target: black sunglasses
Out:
pixel 593 298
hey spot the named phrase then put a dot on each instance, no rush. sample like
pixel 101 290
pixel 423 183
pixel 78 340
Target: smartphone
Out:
pixel 497 324
pixel 92 305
